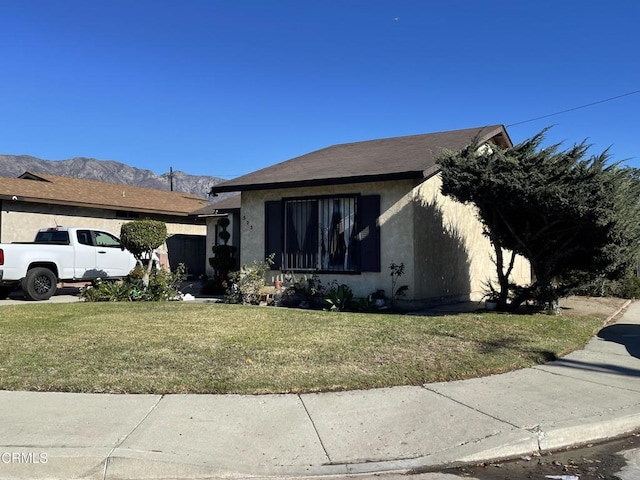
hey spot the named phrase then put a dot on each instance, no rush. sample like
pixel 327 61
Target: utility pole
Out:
pixel 171 178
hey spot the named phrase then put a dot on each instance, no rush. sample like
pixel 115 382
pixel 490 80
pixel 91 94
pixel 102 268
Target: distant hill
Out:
pixel 107 171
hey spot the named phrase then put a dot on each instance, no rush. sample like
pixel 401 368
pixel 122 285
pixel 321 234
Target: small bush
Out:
pixel 245 285
pixel 306 293
pixel 109 291
pixel 339 297
pixel 163 285
pixel 396 271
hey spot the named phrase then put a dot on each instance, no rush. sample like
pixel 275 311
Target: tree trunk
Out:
pixel 503 279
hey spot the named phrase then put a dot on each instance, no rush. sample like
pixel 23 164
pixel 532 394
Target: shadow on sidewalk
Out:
pixel 625 334
pixel 597 367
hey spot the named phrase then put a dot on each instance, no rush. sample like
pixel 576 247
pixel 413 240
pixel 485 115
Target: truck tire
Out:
pixel 39 284
pixel 5 291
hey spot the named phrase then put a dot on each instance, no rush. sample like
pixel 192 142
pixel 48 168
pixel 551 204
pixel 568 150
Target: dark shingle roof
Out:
pixel 384 159
pixel 45 188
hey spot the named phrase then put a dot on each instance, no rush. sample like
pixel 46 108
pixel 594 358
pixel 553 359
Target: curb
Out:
pixel 610 318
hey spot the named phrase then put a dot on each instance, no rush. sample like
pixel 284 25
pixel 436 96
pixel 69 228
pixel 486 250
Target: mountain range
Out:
pixel 107 171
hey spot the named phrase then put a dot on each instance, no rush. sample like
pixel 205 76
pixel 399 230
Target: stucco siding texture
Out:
pixel 23 220
pixel 439 241
pixel 396 239
pixel 453 258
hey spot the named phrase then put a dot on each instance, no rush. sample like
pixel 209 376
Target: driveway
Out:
pixel 65 294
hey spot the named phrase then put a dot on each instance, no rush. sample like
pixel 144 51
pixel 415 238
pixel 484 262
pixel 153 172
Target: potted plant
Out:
pixel 491 302
pixel 378 298
pixel 491 297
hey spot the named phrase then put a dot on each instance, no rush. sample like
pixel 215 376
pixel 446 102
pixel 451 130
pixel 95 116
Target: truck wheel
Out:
pixel 5 291
pixel 39 284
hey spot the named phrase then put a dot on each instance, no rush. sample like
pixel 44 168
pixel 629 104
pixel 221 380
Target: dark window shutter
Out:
pixel 273 232
pixel 369 233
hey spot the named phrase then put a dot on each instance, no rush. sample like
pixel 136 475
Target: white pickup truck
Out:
pixel 61 255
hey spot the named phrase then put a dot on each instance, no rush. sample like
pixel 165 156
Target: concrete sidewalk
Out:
pixel 590 395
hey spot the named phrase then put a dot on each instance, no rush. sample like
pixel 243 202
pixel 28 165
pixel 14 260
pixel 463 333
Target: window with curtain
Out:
pixel 323 233
pixel 320 234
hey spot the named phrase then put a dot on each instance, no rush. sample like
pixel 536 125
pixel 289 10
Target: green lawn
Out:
pixel 180 347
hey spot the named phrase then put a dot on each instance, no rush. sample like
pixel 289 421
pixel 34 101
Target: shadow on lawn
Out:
pixel 508 343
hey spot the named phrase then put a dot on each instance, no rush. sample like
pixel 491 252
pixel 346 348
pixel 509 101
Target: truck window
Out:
pixel 53 236
pixel 104 239
pixel 84 237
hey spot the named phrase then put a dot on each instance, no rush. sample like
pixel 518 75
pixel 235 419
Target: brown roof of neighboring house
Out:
pixel 383 159
pixel 52 189
pixel 220 207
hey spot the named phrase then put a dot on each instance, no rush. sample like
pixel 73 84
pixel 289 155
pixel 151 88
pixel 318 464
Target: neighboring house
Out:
pixel 34 201
pixel 228 207
pixel 349 211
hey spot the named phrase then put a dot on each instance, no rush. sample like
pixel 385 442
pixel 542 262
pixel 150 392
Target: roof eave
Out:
pixel 219 212
pixel 431 171
pixel 497 134
pixel 93 205
pixel 245 187
pixel 209 215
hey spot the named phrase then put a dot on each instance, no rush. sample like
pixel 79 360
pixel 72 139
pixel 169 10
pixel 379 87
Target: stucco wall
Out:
pixel 20 221
pixel 396 238
pixel 440 241
pixel 453 258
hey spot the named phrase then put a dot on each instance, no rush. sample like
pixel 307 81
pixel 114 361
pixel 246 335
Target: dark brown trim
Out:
pixel 316 182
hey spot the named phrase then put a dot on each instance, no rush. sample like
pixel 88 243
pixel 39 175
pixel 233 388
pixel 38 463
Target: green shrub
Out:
pixel 365 304
pixel 163 285
pixel 142 237
pixel 109 291
pixel 339 297
pixel 245 285
pixel 628 287
pixel 307 292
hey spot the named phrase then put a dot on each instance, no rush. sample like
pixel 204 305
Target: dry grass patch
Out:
pixel 204 348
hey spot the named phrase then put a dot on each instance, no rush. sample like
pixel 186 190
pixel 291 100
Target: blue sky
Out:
pixel 214 87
